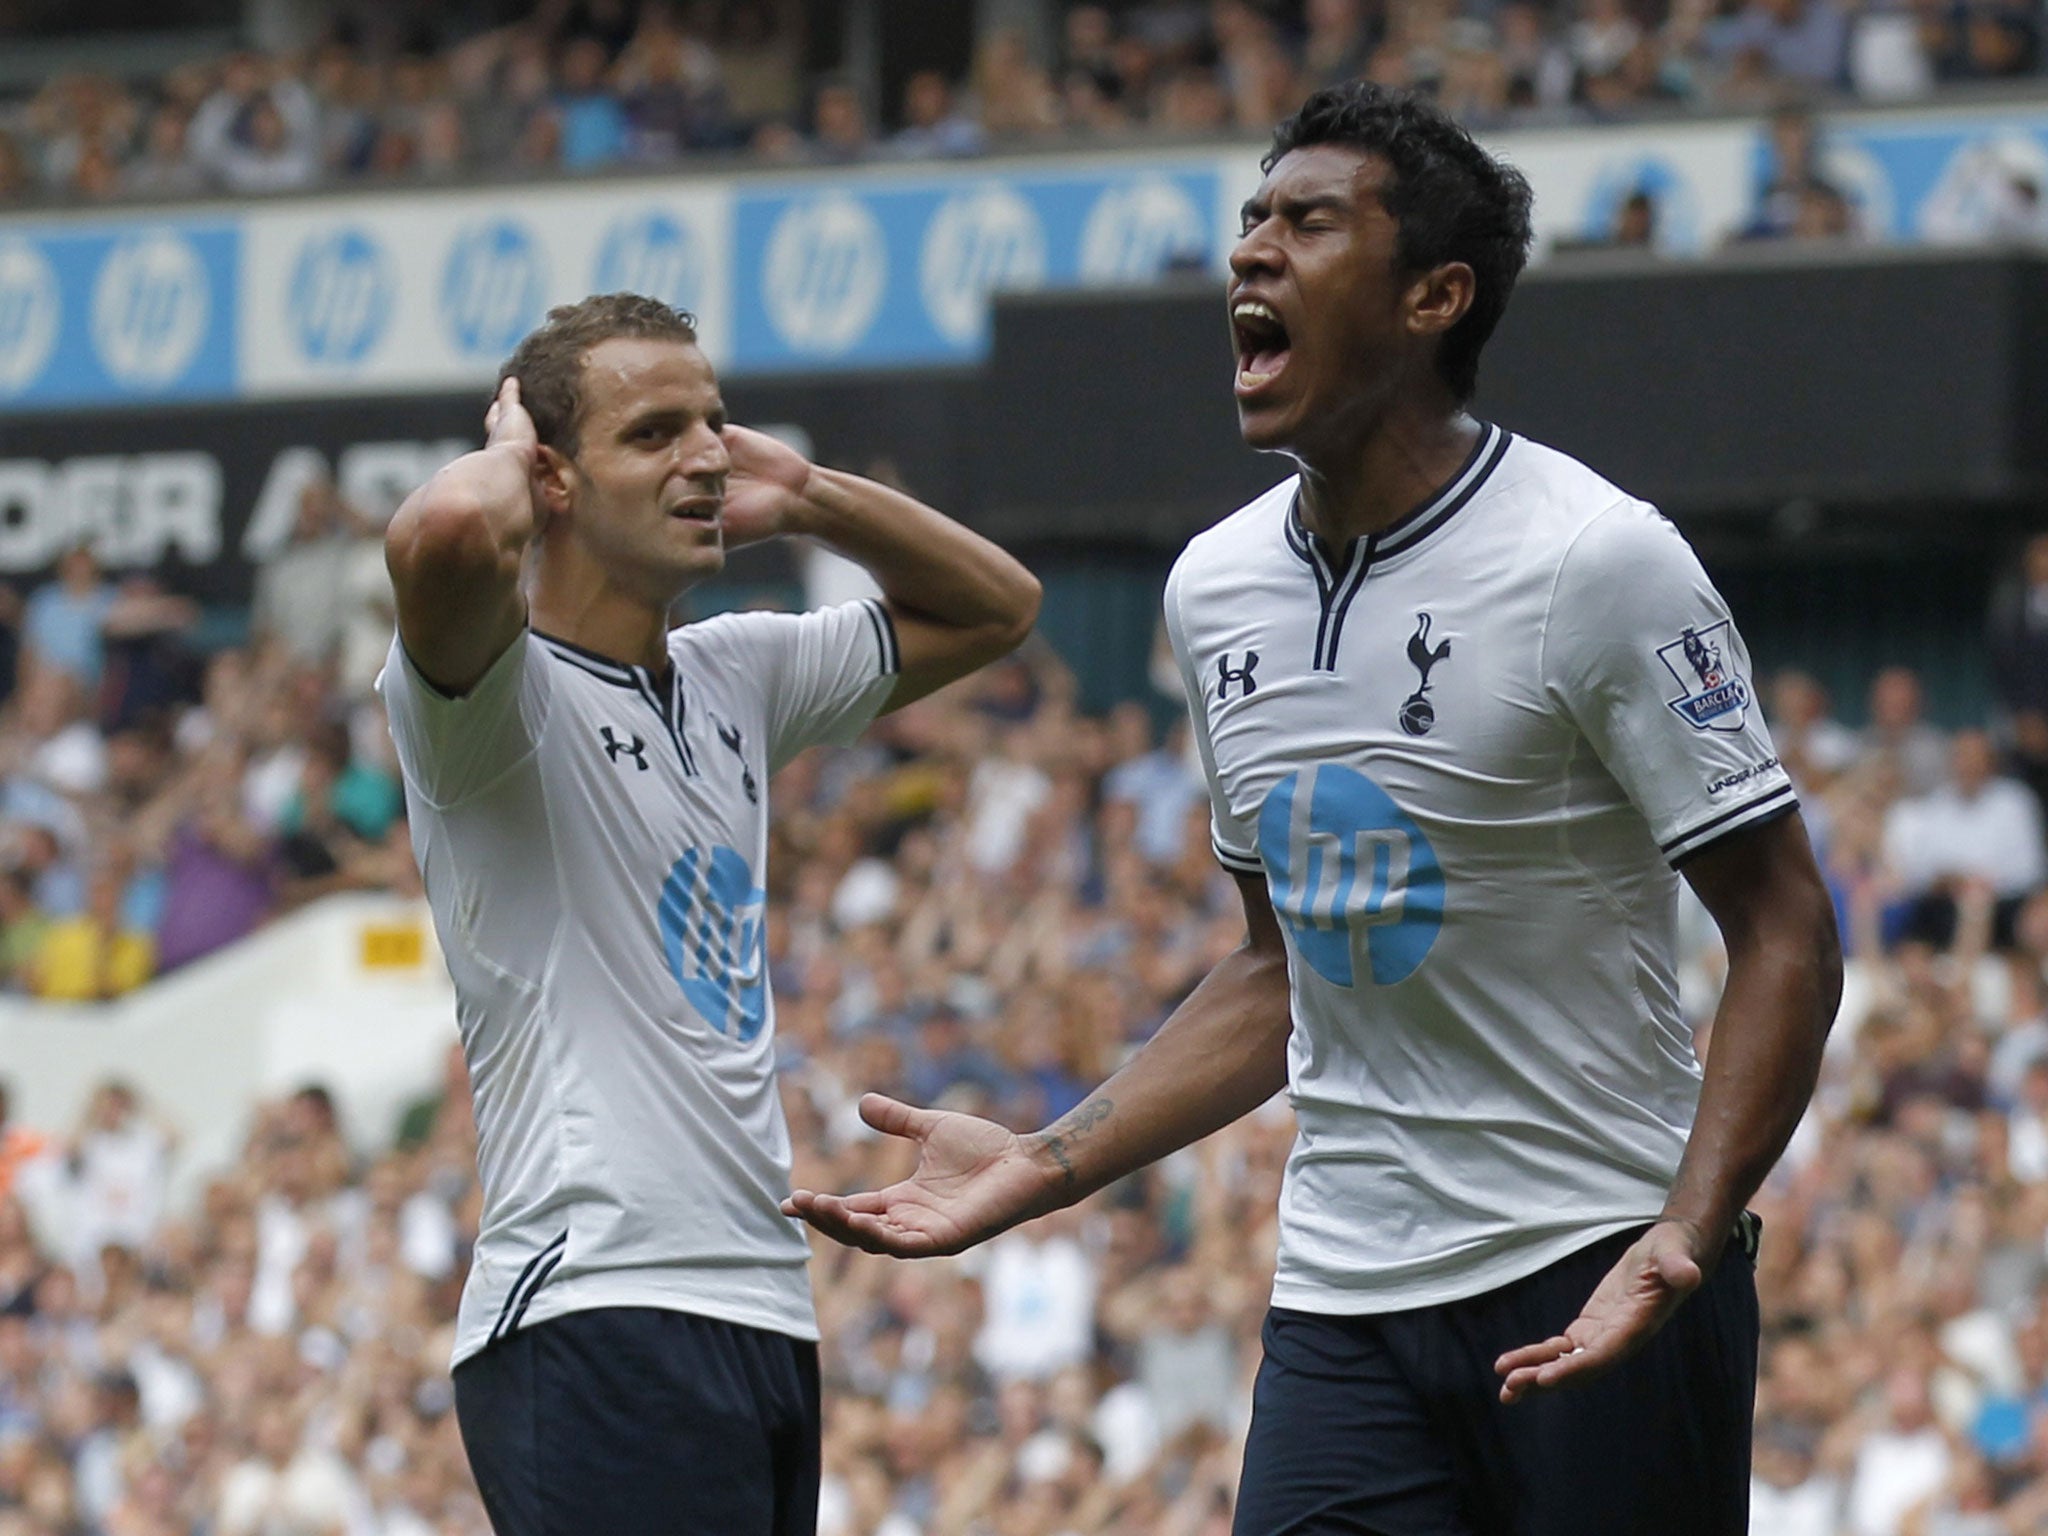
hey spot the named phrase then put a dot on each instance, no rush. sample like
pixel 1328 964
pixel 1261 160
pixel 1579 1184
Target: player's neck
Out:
pixel 598 617
pixel 1372 482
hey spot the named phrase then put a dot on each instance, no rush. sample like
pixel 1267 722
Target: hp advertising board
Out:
pixel 117 313
pixel 877 267
pixel 371 295
pixel 889 272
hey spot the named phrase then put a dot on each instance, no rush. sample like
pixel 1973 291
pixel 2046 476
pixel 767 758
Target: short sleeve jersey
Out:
pixel 592 837
pixel 1465 755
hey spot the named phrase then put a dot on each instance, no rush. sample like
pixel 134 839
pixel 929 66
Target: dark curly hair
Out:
pixel 1451 199
pixel 549 362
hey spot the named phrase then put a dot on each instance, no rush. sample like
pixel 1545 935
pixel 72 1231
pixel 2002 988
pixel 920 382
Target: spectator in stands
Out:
pixel 1971 848
pixel 674 95
pixel 61 628
pixel 259 131
pixel 1897 740
pixel 593 122
pixel 96 955
pixel 1801 40
pixel 2018 645
pixel 933 128
pixel 1017 98
pixel 839 123
pixel 1815 746
pixel 1903 1460
pixel 303 596
pixel 1339 44
pixel 760 52
pixel 165 167
pixel 219 871
pixel 17 176
pixel 19 1146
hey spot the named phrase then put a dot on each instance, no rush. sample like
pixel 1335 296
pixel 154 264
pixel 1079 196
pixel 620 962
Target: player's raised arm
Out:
pixel 1221 1055
pixel 958 601
pixel 1784 983
pixel 455 546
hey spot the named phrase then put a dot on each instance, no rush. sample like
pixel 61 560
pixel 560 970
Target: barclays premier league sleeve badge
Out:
pixel 1711 696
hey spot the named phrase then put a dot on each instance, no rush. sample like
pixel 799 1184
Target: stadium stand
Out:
pixel 984 904
pixel 987 903
pixel 573 89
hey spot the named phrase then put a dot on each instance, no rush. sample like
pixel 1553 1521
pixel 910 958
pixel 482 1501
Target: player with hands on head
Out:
pixel 1467 713
pixel 586 789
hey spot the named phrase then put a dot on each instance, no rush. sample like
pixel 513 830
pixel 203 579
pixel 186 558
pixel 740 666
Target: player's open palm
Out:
pixel 973 1180
pixel 765 485
pixel 1638 1295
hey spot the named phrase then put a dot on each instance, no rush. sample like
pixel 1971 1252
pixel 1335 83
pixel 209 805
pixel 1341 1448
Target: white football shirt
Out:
pixel 592 839
pixel 1466 754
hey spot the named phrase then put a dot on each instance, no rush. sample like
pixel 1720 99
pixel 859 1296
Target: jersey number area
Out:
pixel 1352 876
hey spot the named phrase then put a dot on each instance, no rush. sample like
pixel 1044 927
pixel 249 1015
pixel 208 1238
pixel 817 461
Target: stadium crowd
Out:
pixel 985 903
pixel 582 85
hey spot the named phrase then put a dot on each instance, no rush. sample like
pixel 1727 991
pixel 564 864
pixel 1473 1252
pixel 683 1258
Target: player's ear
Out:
pixel 1439 298
pixel 554 478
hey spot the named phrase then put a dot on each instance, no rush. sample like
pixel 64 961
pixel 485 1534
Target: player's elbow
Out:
pixel 441 533
pixel 1020 612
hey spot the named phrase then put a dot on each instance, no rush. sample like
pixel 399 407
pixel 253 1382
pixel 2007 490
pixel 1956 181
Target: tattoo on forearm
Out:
pixel 1072 1129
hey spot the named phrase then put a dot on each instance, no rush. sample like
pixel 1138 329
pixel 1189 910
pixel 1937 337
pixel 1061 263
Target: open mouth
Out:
pixel 697 510
pixel 1262 343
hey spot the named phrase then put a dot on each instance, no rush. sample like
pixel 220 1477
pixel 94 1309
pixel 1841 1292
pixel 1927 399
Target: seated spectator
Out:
pixel 1160 783
pixel 165 168
pixel 839 124
pixel 61 627
pixel 95 955
pixel 674 95
pixel 933 128
pixel 1339 43
pixel 1802 40
pixel 1975 842
pixel 302 595
pixel 2018 642
pixel 260 131
pixel 219 872
pixel 1815 746
pixel 19 1145
pixel 1898 740
pixel 592 120
pixel 1901 1461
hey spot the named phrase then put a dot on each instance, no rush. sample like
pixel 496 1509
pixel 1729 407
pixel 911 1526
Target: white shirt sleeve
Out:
pixel 452 748
pixel 1235 841
pixel 1642 654
pixel 823 675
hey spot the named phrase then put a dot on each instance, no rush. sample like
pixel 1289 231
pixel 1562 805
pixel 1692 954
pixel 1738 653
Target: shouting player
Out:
pixel 636 1350
pixel 1467 712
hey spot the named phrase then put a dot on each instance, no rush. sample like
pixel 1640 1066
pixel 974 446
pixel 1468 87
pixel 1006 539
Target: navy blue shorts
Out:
pixel 1393 1425
pixel 633 1421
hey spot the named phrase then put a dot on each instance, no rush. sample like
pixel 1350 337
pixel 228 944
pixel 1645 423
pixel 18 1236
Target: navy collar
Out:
pixel 1413 526
pixel 618 673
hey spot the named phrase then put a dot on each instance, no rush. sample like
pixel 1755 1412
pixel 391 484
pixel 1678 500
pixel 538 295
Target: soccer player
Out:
pixel 636 1352
pixel 1467 713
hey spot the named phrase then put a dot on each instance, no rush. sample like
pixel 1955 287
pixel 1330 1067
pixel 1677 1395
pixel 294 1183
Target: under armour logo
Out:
pixel 635 749
pixel 1226 674
pixel 730 735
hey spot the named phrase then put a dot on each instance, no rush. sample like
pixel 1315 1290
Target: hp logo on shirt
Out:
pixel 712 931
pixel 1350 871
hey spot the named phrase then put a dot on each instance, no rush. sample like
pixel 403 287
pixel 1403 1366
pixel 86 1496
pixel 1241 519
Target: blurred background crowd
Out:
pixel 398 93
pixel 986 903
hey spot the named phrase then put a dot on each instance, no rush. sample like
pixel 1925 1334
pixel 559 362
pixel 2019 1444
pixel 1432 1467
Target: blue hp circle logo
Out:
pixel 1351 871
pixel 340 296
pixel 653 254
pixel 712 931
pixel 492 287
